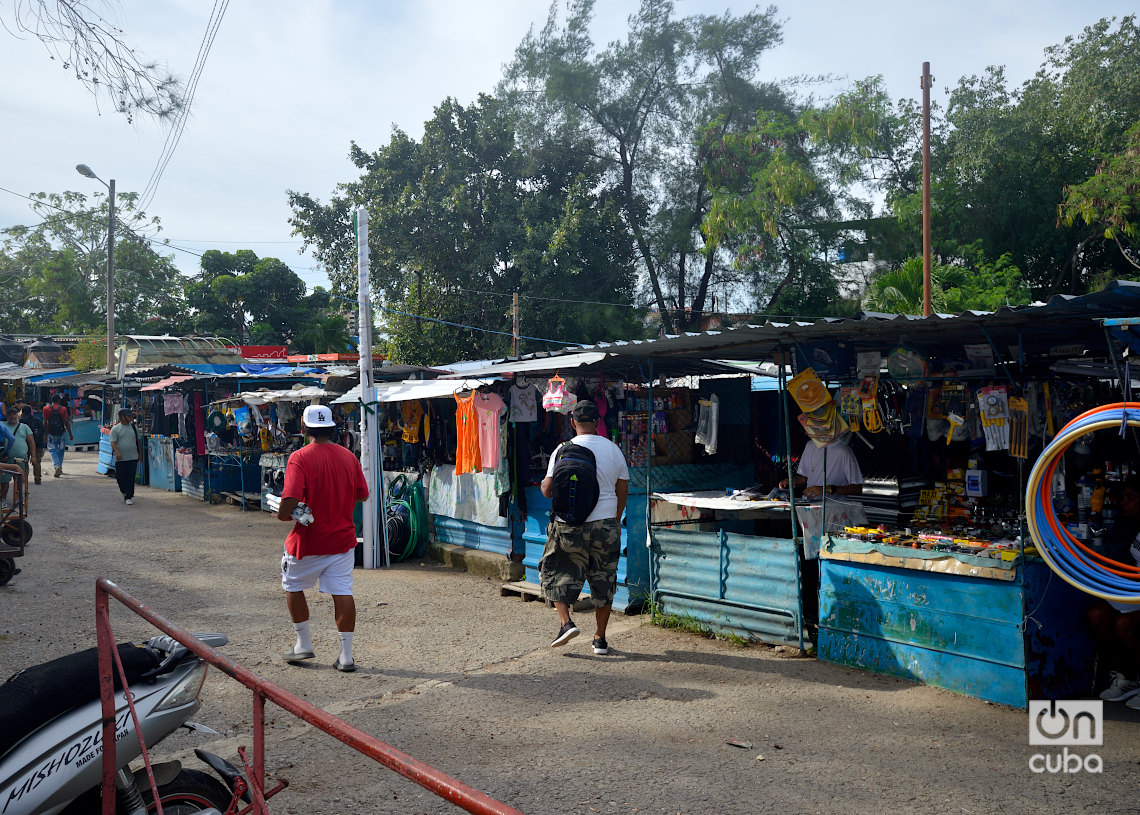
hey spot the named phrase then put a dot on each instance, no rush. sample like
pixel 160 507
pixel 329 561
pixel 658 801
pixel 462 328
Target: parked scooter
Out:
pixel 51 735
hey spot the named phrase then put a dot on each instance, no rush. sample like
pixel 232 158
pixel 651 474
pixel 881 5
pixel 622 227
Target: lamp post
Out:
pixel 84 170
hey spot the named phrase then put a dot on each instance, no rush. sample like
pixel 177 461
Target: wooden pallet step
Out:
pixel 531 592
pixel 83 448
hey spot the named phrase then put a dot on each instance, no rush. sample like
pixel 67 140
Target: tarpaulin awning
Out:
pixel 415 389
pixel 162 383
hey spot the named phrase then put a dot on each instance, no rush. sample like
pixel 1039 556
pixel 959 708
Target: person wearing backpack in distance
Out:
pixel 57 422
pixel 587 481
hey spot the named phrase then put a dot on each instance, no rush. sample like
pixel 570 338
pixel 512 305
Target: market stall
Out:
pixel 941 583
pixel 656 427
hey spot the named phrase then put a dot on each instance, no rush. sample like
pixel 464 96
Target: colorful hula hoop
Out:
pixel 1074 562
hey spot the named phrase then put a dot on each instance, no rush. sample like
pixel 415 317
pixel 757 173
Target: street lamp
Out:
pixel 84 170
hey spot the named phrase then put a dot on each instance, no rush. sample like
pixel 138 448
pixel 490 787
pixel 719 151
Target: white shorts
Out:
pixel 333 571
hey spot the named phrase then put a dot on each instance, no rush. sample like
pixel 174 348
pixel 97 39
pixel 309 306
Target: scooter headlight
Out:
pixel 186 690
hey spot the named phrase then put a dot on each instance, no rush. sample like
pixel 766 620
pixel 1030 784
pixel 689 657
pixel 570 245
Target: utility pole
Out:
pixel 87 172
pixel 515 325
pixel 927 81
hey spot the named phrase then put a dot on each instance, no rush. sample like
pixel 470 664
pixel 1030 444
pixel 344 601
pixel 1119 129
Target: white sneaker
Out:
pixel 1121 688
pixel 129 502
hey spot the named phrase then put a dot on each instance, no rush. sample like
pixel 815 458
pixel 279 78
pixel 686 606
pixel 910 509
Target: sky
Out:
pixel 288 84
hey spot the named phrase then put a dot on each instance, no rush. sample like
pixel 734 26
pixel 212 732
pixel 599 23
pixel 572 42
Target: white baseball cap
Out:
pixel 318 416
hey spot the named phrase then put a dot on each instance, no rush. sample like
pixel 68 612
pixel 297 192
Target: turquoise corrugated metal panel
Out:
pixel 993 682
pixel 959 633
pixel 473 535
pixel 756 567
pixel 748 623
pixel 534 541
pixel 738 583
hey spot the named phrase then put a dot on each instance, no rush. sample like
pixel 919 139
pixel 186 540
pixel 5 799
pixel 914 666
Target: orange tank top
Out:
pixel 467 459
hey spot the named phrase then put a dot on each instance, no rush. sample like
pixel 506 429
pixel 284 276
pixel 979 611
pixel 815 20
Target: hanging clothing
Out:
pixel 488 407
pixel 172 404
pixel 410 414
pixel 524 402
pixel 602 404
pixel 467 458
pixel 199 428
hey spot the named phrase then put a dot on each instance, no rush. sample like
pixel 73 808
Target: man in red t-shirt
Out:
pixel 327 478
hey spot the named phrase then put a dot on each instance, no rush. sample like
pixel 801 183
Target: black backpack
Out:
pixel 55 421
pixel 575 484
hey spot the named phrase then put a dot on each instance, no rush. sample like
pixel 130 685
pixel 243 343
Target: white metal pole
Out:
pixel 370 452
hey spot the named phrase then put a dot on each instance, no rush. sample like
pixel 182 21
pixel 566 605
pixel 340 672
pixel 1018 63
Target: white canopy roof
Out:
pixel 563 362
pixel 415 389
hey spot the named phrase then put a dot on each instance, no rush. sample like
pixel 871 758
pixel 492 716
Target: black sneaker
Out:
pixel 567 632
pixel 601 646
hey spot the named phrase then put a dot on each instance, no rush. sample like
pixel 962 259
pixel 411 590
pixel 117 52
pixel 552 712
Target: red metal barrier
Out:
pixel 443 785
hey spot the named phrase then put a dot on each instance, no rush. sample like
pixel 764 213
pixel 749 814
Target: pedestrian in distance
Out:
pixel 587 481
pixel 323 484
pixel 125 445
pixel 58 422
pixel 36 424
pixel 21 449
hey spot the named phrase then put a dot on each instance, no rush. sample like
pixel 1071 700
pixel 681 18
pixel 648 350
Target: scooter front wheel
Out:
pixel 190 791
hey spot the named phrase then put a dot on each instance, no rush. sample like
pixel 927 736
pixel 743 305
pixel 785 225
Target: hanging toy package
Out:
pixel 557 399
pixel 708 420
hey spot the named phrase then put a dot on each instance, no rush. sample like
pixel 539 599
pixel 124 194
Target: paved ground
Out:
pixel 464 680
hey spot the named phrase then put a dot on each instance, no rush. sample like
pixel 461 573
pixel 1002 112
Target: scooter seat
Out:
pixel 36 695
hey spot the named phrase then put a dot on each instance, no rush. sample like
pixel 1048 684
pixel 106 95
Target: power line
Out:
pixel 549 299
pixel 174 135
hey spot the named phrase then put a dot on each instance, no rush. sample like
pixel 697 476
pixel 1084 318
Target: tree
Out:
pixel 89 354
pixel 243 297
pixel 953 289
pixel 85 42
pixel 56 270
pixel 460 220
pixel 640 108
pixel 1110 199
pixel 1003 161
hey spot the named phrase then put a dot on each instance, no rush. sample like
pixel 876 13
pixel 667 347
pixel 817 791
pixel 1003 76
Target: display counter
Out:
pixel 1004 631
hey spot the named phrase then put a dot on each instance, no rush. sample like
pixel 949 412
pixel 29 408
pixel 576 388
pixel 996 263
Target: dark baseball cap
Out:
pixel 584 411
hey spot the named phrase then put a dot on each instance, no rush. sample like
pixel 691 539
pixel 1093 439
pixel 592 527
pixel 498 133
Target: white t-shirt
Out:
pixel 524 403
pixel 611 468
pixel 842 468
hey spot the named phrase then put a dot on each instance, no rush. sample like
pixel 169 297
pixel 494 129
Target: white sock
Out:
pixel 304 642
pixel 345 647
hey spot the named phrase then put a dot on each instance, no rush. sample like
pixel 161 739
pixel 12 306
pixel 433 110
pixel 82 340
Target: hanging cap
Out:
pixel 584 411
pixel 318 416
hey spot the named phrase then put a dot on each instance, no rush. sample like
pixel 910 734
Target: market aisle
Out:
pixel 463 679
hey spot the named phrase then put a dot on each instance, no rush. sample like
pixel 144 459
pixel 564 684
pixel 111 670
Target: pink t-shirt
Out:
pixel 488 406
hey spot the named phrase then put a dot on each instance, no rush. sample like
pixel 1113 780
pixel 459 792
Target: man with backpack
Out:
pixel 587 481
pixel 57 422
pixel 28 416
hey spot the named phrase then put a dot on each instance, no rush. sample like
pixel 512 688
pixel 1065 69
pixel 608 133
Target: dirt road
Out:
pixel 464 680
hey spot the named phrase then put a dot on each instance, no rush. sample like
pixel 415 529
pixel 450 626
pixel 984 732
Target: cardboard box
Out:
pixel 674 448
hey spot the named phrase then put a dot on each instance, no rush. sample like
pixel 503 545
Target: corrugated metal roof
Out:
pixel 1064 319
pixel 17 372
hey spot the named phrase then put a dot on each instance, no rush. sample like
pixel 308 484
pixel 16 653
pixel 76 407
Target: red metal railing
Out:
pixel 443 785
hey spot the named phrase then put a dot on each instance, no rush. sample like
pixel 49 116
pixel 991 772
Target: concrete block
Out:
pixel 484 564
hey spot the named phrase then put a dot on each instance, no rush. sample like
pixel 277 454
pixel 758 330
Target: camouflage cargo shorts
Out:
pixel 575 555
